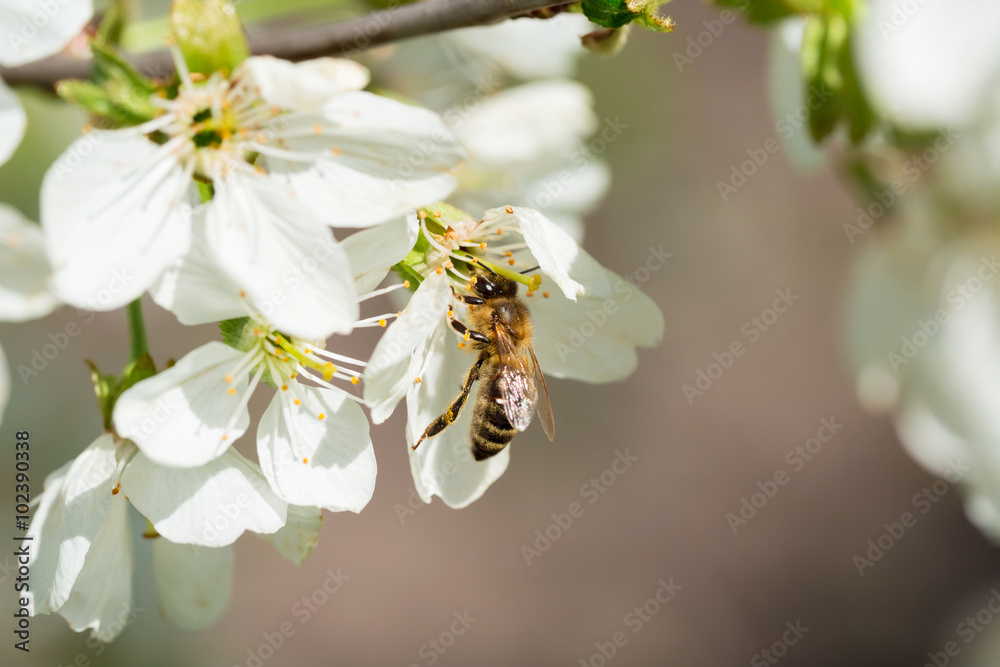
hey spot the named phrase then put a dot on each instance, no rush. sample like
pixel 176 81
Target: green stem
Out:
pixel 137 330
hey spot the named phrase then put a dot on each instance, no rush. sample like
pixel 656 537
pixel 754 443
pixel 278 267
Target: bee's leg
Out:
pixel 451 414
pixel 464 330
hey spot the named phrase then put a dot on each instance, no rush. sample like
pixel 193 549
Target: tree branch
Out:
pixel 381 27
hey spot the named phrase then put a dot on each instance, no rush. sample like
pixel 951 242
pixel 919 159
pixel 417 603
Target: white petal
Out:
pixel 303 86
pixel 193 582
pixel 788 95
pixel 594 340
pixel 443 465
pixel 364 159
pixel 528 48
pixel 558 255
pixel 298 537
pixel 24 269
pixel 293 271
pixel 186 415
pixel 34 30
pixel 210 506
pixel 934 66
pixel 195 289
pixel 68 521
pixel 389 371
pixel 116 212
pixel 328 462
pixel 102 595
pixel 528 123
pixel 373 251
pixel 12 122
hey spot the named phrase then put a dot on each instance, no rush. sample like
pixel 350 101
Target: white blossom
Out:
pixel 529 144
pixel 587 325
pixel 290 148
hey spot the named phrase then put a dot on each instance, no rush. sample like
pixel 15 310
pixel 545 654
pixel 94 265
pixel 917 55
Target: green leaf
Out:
pixel 103 388
pixel 609 13
pixel 117 92
pixel 209 34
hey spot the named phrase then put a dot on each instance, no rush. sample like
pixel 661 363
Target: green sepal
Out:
pixel 117 92
pixel 237 334
pixel 209 34
pixel 108 388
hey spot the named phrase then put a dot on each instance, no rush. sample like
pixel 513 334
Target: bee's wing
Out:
pixel 543 406
pixel 517 383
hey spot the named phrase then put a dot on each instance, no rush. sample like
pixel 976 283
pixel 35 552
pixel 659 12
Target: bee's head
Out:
pixel 493 285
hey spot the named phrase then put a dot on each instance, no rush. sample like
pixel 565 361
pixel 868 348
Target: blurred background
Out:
pixel 413 569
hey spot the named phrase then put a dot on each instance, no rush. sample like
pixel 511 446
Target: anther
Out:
pixel 232 390
pixel 355 380
pixel 545 294
pixel 509 210
pixel 322 416
pixel 382 322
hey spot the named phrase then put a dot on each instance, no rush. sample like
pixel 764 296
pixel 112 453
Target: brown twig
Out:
pixel 380 27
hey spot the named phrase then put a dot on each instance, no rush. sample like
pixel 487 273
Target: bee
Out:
pixel 511 384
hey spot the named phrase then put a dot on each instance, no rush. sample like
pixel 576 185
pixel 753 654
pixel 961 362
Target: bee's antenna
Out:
pixel 536 267
pixel 480 264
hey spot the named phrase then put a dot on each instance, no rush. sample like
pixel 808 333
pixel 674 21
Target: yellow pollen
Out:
pixel 466 336
pixel 317 129
pixel 406 283
pixel 422 214
pixel 482 246
pixel 449 265
pixel 511 262
pixel 355 380
pixel 261 138
pixel 228 378
pixel 509 253
pixel 509 210
pixel 275 111
pixel 232 390
pixel 468 287
pixel 308 351
pixel 437 214
pixel 305 460
pixel 336 151
pixel 284 387
pixel 115 490
pixel 461 346
pixel 298 402
pixel 292 376
pixel 197 76
pixel 381 322
pixel 529 293
pixel 499 231
pixel 243 294
pixel 545 294
pixel 86 129
pixel 322 416
pixel 439 270
pixel 225 437
pixel 417 380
